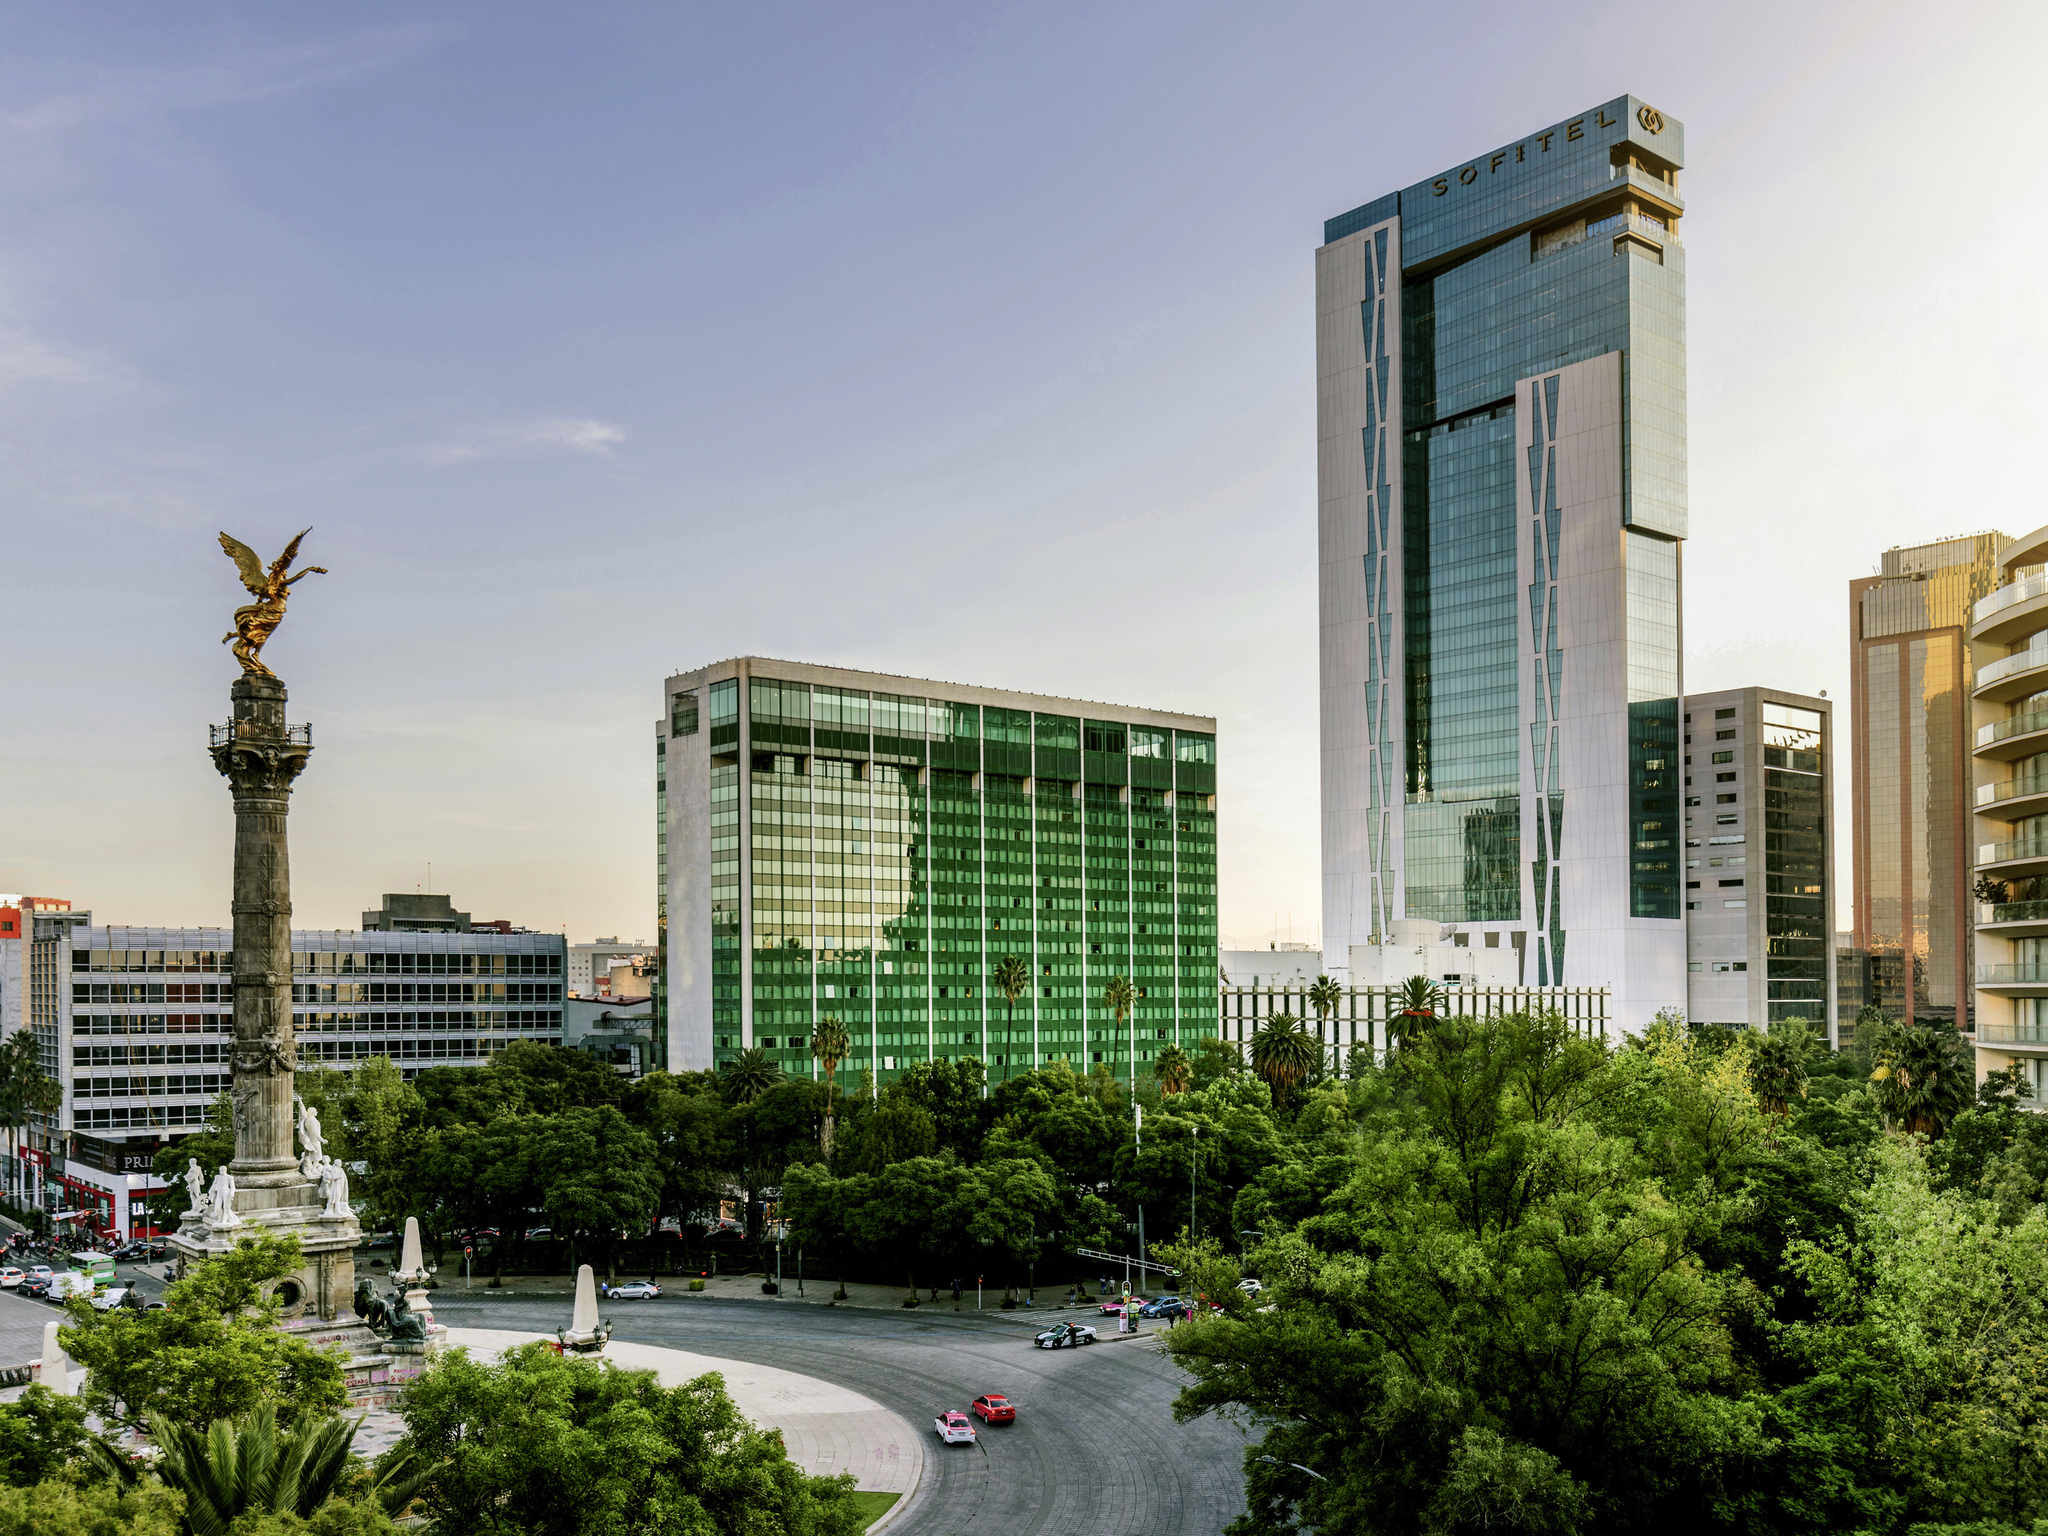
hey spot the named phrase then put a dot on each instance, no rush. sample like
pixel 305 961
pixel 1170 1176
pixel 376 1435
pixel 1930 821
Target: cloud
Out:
pixel 25 360
pixel 514 440
pixel 124 95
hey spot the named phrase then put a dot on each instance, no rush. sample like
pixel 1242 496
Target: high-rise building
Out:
pixel 2009 704
pixel 871 848
pixel 1500 356
pixel 1910 706
pixel 590 964
pixel 1760 858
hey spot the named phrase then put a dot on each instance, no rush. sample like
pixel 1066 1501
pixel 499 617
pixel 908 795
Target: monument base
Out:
pixel 324 1285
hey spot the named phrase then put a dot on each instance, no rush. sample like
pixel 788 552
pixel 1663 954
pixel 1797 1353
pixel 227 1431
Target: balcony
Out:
pixel 244 730
pixel 2027 549
pixel 2012 612
pixel 2004 859
pixel 2018 973
pixel 2013 919
pixel 2010 739
pixel 2013 798
pixel 2012 677
pixel 2023 1036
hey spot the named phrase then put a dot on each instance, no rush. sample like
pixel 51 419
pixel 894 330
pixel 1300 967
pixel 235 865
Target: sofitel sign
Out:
pixel 1573 130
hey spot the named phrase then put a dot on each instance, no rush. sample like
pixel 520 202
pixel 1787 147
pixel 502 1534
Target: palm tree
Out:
pixel 248 1465
pixel 1419 999
pixel 749 1075
pixel 1924 1076
pixel 1121 999
pixel 1011 978
pixel 1324 995
pixel 1777 1065
pixel 1176 1074
pixel 829 1044
pixel 1284 1054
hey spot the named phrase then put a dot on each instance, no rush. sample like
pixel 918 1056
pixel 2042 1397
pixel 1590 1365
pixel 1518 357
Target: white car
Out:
pixel 1250 1287
pixel 954 1427
pixel 1065 1336
pixel 634 1290
pixel 40 1272
pixel 68 1283
pixel 10 1277
pixel 110 1298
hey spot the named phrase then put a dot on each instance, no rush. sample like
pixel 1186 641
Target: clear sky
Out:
pixel 600 341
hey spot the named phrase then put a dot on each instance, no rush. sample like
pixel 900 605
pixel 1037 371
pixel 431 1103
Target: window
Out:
pixel 1737 902
pixel 1724 735
pixel 1724 757
pixel 1724 778
pixel 1694 966
pixel 1724 714
pixel 1724 799
pixel 1692 802
pixel 683 715
pixel 1726 819
pixel 1738 880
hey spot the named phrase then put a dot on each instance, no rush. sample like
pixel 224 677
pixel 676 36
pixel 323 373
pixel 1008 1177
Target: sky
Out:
pixel 600 342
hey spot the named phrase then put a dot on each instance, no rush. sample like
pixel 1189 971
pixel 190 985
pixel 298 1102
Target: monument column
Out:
pixel 261 755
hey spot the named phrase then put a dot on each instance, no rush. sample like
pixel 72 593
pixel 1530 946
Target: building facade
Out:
pixel 871 847
pixel 590 965
pixel 1502 502
pixel 1364 1017
pixel 1911 708
pixel 1760 859
pixel 136 1025
pixel 2009 742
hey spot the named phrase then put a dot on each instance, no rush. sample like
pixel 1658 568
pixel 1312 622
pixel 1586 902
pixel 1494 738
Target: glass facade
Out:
pixel 901 847
pixel 1798 928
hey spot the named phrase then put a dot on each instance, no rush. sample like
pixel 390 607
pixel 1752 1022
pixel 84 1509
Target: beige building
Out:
pixel 1912 643
pixel 2009 705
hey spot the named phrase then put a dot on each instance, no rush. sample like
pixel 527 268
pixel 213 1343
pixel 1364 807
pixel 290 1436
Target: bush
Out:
pixel 696 1285
pixel 769 1288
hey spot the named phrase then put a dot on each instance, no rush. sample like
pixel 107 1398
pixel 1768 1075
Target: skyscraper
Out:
pixel 1500 359
pixel 1911 721
pixel 871 848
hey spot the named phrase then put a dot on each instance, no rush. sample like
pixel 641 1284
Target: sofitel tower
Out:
pixel 1500 382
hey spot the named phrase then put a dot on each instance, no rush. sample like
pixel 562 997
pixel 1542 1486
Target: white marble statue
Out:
pixel 334 1189
pixel 312 1144
pixel 195 1188
pixel 220 1202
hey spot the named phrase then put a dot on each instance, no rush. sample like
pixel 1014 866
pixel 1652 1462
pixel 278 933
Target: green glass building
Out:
pixel 871 848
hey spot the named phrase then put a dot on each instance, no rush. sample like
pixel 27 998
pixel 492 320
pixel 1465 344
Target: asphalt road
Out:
pixel 1094 1447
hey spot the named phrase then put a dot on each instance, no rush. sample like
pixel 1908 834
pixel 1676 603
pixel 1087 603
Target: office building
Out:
pixel 1910 706
pixel 1501 433
pixel 1760 859
pixel 872 847
pixel 590 965
pixel 1366 1016
pixel 136 1025
pixel 1278 965
pixel 2009 741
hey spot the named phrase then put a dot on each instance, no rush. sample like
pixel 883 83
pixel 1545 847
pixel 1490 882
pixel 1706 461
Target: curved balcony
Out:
pixel 2013 859
pixel 2005 741
pixel 2014 798
pixel 2013 919
pixel 2012 612
pixel 2012 677
pixel 2015 973
pixel 2027 549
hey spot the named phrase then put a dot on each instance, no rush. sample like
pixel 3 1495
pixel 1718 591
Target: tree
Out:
pixel 538 1443
pixel 40 1435
pixel 830 1045
pixel 1777 1064
pixel 384 1125
pixel 749 1075
pixel 1176 1074
pixel 214 1147
pixel 1121 999
pixel 24 1087
pixel 1324 995
pixel 1011 977
pixel 1284 1055
pixel 1419 998
pixel 597 1177
pixel 64 1506
pixel 1214 1059
pixel 1924 1075
pixel 248 1465
pixel 214 1351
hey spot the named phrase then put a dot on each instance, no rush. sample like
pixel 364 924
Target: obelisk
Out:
pixel 267 1188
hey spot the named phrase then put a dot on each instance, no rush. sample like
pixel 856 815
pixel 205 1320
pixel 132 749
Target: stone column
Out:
pixel 260 755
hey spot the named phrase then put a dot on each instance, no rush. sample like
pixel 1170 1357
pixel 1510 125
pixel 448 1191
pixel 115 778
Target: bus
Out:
pixel 98 1267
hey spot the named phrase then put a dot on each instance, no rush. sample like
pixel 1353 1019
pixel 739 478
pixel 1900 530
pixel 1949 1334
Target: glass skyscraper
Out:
pixel 1502 481
pixel 871 848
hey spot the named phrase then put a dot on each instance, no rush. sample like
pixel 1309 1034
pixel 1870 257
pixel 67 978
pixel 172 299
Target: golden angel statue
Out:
pixel 254 621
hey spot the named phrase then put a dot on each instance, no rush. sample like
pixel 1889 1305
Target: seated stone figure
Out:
pixel 392 1316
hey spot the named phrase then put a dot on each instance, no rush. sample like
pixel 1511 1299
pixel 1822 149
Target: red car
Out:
pixel 994 1408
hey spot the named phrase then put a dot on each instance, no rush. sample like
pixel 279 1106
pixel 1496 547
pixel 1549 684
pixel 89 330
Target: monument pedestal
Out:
pixel 325 1283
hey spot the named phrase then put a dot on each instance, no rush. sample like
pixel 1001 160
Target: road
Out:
pixel 1094 1447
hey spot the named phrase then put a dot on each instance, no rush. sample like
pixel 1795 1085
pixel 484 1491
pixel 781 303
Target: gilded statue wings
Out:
pixel 253 575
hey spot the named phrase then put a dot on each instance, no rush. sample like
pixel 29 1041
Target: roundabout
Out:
pixel 1093 1448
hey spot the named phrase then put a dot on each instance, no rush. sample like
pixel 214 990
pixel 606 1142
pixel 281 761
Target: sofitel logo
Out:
pixel 1573 130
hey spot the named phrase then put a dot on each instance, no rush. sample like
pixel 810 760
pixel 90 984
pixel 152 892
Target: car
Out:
pixel 1116 1304
pixel 40 1272
pixel 539 1234
pixel 113 1296
pixel 1065 1335
pixel 36 1285
pixel 634 1290
pixel 1250 1287
pixel 954 1427
pixel 1159 1306
pixel 993 1408
pixel 68 1283
pixel 10 1277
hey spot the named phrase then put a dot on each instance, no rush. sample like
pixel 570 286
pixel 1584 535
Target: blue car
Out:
pixel 1165 1306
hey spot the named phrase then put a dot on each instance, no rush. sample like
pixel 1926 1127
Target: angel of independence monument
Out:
pixel 281 1181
